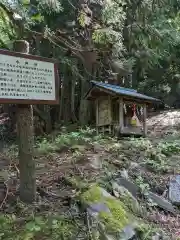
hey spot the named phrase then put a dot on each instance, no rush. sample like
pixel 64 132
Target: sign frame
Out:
pixel 33 101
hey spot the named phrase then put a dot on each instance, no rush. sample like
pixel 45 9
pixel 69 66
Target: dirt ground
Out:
pixel 61 173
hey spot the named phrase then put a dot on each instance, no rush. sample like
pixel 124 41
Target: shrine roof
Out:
pixel 121 91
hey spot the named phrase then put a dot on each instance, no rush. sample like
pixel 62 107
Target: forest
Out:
pixel 134 42
pixel 88 185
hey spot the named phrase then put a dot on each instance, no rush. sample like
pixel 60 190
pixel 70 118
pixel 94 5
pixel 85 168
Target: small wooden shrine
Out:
pixel 119 110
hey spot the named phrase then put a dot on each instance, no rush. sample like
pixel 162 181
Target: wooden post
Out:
pixel 25 130
pixel 144 120
pixel 121 114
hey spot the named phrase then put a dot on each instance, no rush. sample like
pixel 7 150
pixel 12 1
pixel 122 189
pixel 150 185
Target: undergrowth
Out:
pixel 81 137
pixel 155 156
pixel 55 228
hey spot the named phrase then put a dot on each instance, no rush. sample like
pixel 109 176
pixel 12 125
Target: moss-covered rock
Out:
pixel 128 199
pixel 115 219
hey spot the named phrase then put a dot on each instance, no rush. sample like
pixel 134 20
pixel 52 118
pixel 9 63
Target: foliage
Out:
pixel 55 227
pixel 72 139
pixel 7 30
pixel 144 187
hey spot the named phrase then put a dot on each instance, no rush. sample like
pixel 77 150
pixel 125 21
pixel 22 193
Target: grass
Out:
pixel 155 156
pixel 49 227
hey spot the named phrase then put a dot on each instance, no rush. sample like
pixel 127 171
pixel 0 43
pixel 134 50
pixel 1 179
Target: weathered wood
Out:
pixel 104 111
pixel 26 142
pixel 110 110
pixel 144 120
pixel 26 162
pixel 121 114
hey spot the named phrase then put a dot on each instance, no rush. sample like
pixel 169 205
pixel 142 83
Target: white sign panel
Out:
pixel 27 78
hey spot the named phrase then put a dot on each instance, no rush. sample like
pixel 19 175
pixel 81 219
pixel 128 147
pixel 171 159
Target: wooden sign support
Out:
pixel 26 142
pixel 25 80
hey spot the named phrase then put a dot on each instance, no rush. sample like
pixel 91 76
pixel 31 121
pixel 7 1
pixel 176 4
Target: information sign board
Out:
pixel 28 79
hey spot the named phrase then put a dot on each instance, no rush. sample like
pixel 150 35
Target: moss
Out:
pixel 117 219
pixel 76 182
pixel 93 195
pixel 117 210
pixel 132 204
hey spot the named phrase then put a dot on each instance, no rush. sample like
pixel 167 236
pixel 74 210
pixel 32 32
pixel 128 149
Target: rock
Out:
pixel 95 208
pixel 131 187
pixel 161 202
pixel 114 222
pixel 128 233
pixel 157 237
pixel 174 190
pixel 124 174
pixel 129 200
pixel 104 193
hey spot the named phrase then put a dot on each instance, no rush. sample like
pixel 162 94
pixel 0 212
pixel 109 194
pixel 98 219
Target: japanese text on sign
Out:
pixel 26 79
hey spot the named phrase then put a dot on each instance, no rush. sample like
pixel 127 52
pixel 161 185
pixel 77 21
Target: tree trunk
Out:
pixel 84 109
pixel 66 96
pixel 26 161
pixel 46 108
pixel 73 92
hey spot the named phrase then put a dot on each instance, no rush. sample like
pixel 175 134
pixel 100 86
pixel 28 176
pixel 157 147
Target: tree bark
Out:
pixel 66 96
pixel 26 142
pixel 26 162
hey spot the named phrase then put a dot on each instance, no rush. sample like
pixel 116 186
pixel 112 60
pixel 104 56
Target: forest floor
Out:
pixel 69 163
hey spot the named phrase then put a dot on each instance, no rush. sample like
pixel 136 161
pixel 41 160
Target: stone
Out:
pixel 128 233
pixel 124 173
pixel 114 222
pixel 161 202
pixel 95 208
pixel 174 190
pixel 104 193
pixel 129 200
pixel 157 237
pixel 131 187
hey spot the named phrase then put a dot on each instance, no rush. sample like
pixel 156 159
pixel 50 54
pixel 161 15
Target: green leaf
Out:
pixel 37 17
pixel 32 227
pixel 25 2
pixel 28 236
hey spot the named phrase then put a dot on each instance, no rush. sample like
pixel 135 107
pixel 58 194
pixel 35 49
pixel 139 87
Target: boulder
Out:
pixel 114 221
pixel 129 200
